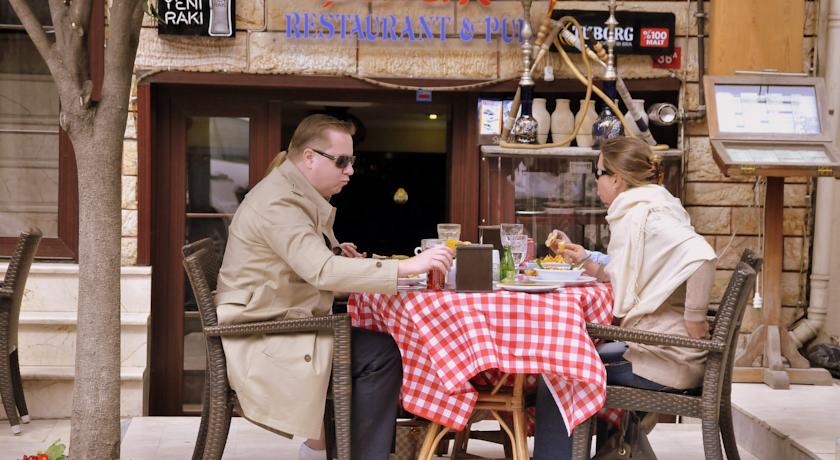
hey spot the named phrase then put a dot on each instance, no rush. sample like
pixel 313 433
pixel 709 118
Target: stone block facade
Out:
pixel 724 209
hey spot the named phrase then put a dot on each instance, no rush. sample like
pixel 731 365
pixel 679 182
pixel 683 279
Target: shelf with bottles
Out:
pixel 547 97
pixel 553 188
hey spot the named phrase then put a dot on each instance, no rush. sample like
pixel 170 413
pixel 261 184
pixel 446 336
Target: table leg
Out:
pixel 520 424
pixel 428 448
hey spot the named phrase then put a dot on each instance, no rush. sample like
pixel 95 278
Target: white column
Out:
pixel 826 253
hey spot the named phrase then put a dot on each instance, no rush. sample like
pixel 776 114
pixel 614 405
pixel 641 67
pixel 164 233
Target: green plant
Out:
pixel 54 452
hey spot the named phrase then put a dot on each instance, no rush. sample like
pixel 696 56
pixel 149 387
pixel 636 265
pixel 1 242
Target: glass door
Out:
pixel 212 149
pixel 217 151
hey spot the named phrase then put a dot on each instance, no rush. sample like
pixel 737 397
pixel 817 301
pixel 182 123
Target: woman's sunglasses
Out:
pixel 602 172
pixel 341 161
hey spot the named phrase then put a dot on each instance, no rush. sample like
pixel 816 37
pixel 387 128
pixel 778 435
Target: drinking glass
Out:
pixel 518 247
pixel 510 229
pixel 435 279
pixel 427 243
pixel 449 231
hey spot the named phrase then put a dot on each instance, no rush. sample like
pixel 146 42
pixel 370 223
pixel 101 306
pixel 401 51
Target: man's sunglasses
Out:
pixel 341 161
pixel 602 172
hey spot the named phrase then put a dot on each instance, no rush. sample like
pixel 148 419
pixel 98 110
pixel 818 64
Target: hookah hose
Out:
pixel 541 49
pixel 600 56
pixel 543 52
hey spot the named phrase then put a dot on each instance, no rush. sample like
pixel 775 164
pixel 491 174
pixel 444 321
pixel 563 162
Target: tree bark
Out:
pixel 95 422
pixel 96 132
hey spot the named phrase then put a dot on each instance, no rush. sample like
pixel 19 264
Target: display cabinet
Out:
pixel 553 188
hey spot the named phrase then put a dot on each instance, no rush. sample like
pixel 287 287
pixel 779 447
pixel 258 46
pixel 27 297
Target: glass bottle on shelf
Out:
pixel 524 129
pixel 606 127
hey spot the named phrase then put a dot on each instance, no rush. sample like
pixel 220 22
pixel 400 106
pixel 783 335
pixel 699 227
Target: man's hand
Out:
pixel 438 257
pixel 697 329
pixel 350 250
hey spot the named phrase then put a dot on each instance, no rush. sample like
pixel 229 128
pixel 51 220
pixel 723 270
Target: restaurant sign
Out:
pixel 393 28
pixel 212 18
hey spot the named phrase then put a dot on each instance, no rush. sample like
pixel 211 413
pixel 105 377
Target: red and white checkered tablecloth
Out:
pixel 446 338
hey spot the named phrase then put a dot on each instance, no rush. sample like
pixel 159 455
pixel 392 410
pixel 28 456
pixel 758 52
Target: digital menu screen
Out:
pixel 767 109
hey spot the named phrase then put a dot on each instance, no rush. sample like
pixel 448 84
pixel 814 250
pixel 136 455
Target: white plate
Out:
pixel 582 280
pixel 411 281
pixel 416 287
pixel 534 288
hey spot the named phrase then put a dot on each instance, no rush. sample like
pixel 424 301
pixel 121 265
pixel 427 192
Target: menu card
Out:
pixel 771 109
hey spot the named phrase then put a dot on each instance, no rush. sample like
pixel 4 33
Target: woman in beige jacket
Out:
pixel 661 272
pixel 281 262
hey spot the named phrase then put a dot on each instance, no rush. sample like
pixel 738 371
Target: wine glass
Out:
pixel 518 248
pixel 510 229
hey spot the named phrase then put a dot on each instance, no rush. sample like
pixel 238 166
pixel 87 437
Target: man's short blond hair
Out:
pixel 312 132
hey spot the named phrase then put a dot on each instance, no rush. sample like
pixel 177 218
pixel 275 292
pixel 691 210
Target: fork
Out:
pixel 579 265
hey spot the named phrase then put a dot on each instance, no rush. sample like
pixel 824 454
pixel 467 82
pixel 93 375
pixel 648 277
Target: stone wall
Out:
pixel 721 207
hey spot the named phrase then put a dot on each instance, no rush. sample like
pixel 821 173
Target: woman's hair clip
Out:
pixel 658 168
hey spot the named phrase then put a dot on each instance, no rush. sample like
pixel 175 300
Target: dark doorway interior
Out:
pixel 368 213
pixel 399 148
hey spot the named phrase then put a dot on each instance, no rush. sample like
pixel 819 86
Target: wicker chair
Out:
pixel 715 392
pixel 202 266
pixel 11 293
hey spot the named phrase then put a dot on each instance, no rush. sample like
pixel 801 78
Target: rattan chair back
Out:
pixel 727 322
pixel 11 295
pixel 202 267
pixel 15 280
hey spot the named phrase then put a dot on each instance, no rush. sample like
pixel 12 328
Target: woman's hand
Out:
pixel 697 329
pixel 350 250
pixel 574 253
pixel 438 258
pixel 556 241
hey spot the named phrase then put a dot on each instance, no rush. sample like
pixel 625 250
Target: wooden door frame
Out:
pixel 172 107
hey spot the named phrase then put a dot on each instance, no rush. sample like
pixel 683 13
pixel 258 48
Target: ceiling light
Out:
pixel 432 116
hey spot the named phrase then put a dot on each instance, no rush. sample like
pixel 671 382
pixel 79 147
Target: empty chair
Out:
pixel 11 293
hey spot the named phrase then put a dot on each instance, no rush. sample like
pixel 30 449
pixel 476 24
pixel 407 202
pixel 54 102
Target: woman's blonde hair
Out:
pixel 633 160
pixel 312 130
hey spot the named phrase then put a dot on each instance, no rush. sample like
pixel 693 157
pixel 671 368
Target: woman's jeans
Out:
pixel 551 440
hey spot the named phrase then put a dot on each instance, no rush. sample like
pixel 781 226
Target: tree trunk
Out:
pixel 95 424
pixel 96 129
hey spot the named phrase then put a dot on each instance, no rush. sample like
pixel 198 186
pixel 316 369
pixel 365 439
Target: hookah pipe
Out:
pixel 600 56
pixel 541 49
pixel 586 80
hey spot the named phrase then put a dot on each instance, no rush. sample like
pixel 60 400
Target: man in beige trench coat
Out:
pixel 281 262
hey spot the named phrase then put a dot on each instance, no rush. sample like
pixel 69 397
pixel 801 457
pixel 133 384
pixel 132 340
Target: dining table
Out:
pixel 446 338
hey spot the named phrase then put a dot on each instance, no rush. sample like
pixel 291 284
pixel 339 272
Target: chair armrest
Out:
pixel 286 326
pixel 603 331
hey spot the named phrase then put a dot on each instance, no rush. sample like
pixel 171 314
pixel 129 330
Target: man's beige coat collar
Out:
pixel 288 173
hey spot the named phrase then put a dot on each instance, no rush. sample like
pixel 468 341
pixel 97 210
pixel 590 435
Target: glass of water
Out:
pixel 510 229
pixel 449 231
